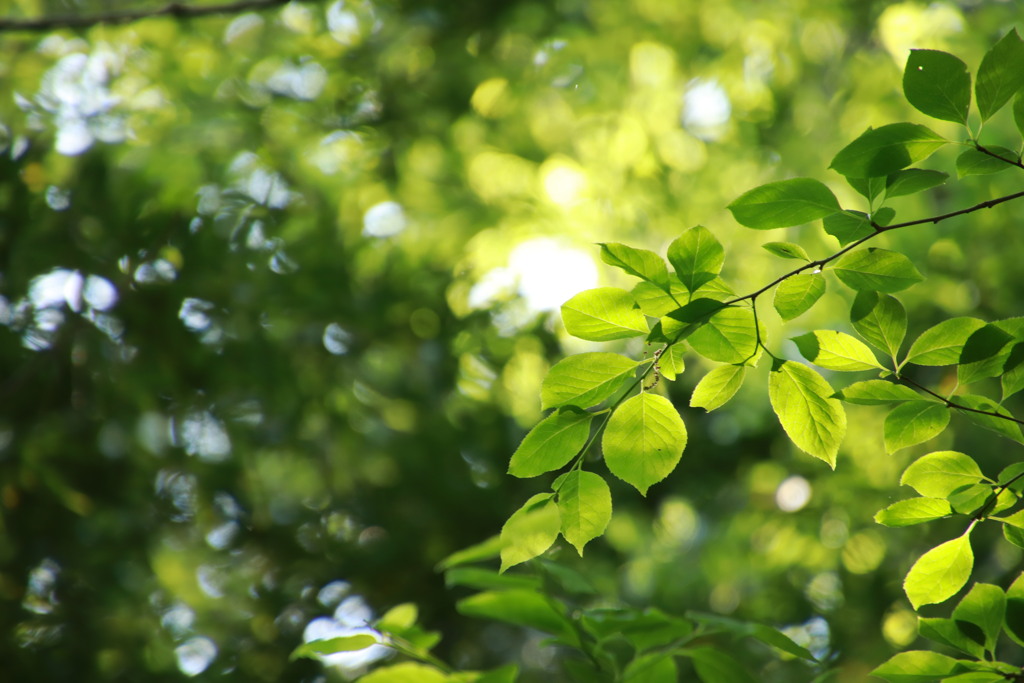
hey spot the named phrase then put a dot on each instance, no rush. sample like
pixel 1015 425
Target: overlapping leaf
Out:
pixel 803 402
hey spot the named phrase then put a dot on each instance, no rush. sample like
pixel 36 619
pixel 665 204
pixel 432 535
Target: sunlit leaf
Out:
pixel 603 314
pixel 883 151
pixel 554 441
pixel 643 440
pixel 406 672
pixel 656 302
pixel 795 296
pixel 984 606
pixel 914 422
pixel 876 270
pixel 652 668
pixel 315 649
pixel 520 607
pixel 1000 75
pixel 877 392
pixel 585 379
pixel 642 263
pixel 717 387
pixel 946 632
pixel 585 504
pixel 940 573
pixel 987 418
pixel 917 666
pixel 784 203
pixel 530 530
pixel 1012 379
pixel 938 84
pixel 913 180
pixel 984 354
pixel 787 250
pixel 762 632
pixel 672 361
pixel 729 336
pixel 803 401
pixel 913 511
pixel 938 474
pixel 696 256
pixel 834 350
pixel 881 319
pixel 942 343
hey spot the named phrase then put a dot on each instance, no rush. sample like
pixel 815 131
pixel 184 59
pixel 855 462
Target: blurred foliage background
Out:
pixel 278 289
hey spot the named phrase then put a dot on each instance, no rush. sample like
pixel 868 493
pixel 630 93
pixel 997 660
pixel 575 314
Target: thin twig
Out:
pixel 953 404
pixel 174 9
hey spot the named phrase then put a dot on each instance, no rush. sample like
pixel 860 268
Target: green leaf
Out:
pixel 554 441
pixel 945 631
pixel 869 188
pixel 877 392
pixel 528 608
pixel 603 314
pixel 881 319
pixel 717 387
pixel 728 336
pixel 784 203
pixel 983 354
pixel 848 226
pixel 787 250
pixel 641 263
pixel 315 649
pixel 585 505
pixel 940 573
pixel 406 672
pixel 672 361
pixel 486 579
pixel 655 302
pixel 912 181
pixel 715 666
pixel 697 257
pixel 938 474
pixel 530 530
pixel 1004 427
pixel 795 296
pixel 643 440
pixel 1012 379
pixel 984 607
pixel 878 270
pixel 803 401
pixel 1018 112
pixel 917 666
pixel 653 668
pixel 505 674
pixel 1014 622
pixel 478 552
pixel 883 151
pixel 836 351
pixel 762 632
pixel 1014 535
pixel 586 379
pixel 938 84
pixel 976 162
pixel 942 343
pixel 914 422
pixel 913 511
pixel 1000 75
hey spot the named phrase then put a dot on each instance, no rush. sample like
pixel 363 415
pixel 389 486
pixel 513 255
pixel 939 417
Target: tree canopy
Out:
pixel 585 341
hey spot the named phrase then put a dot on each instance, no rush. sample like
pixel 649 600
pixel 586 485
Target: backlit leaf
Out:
pixel 787 250
pixel 717 387
pixel 917 666
pixel 728 336
pixel 795 296
pixel 1000 75
pixel 913 511
pixel 848 226
pixel 643 440
pixel 937 84
pixel 642 263
pixel 315 649
pixel 914 422
pixel 672 361
pixel 881 319
pixel 878 270
pixel 834 350
pixel 940 573
pixel 912 181
pixel 984 606
pixel 530 530
pixel 697 257
pixel 946 632
pixel 554 441
pixel 803 401
pixel 585 504
pixel 603 314
pixel 406 672
pixel 585 379
pixel 883 151
pixel 1018 112
pixel 942 343
pixel 938 474
pixel 999 425
pixel 784 203
pixel 656 302
pixel 877 392
pixel 1012 379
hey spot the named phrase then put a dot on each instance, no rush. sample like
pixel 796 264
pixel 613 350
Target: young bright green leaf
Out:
pixel 715 666
pixel 717 387
pixel 406 672
pixel 1014 534
pixel 655 302
pixel 848 226
pixel 917 666
pixel 881 319
pixel 937 84
pixel 528 608
pixel 877 392
pixel 652 668
pixel 940 573
pixel 975 162
pixel 716 289
pixel 984 354
pixel 697 257
pixel 938 474
pixel 729 336
pixel 643 440
pixel 883 151
pixel 315 649
pixel 1000 75
pixel 912 181
pixel 478 552
pixel 784 203
pixel 1012 379
pixel 672 361
pixel 834 350
pixel 641 263
pixel 877 270
pixel 913 511
pixel 682 322
pixel 1014 622
pixel 787 250
pixel 999 425
pixel 530 530
pixel 970 500
pixel 984 606
pixel 603 314
pixel 884 215
pixel 554 441
pixel 942 343
pixel 914 422
pixel 946 632
pixel 795 296
pixel 803 401
pixel 585 504
pixel 586 379
pixel 1013 477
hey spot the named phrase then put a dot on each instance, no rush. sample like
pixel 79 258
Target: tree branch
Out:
pixel 953 404
pixel 174 9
